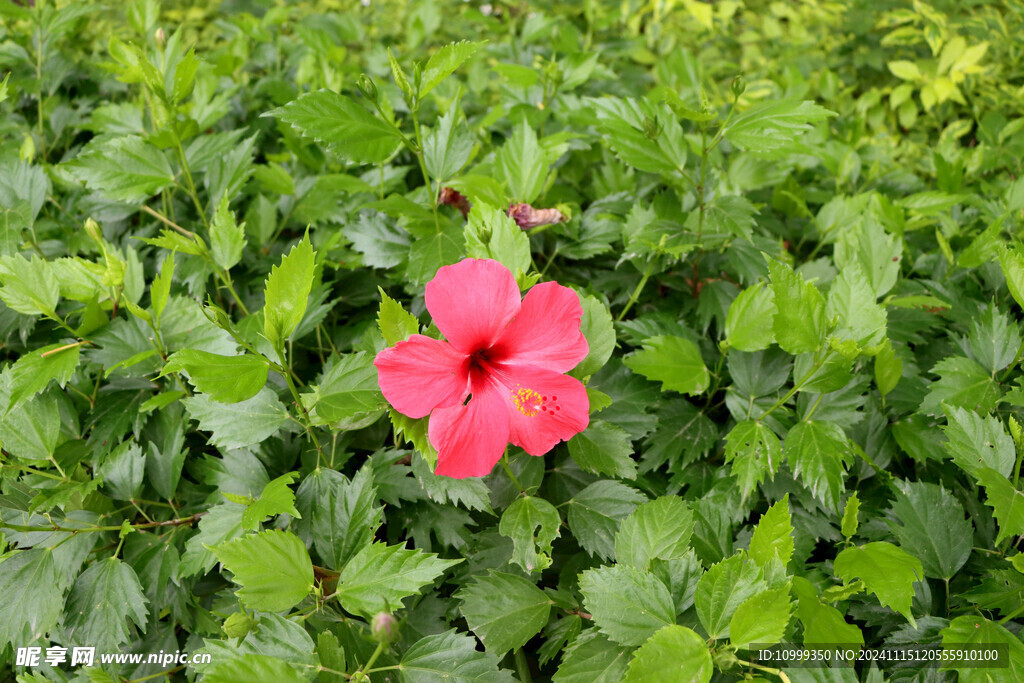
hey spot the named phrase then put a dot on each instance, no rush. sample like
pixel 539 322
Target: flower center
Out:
pixel 529 402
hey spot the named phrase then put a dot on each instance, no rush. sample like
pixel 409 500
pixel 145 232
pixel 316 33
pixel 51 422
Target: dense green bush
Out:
pixel 794 233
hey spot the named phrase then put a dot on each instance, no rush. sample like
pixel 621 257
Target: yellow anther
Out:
pixel 527 401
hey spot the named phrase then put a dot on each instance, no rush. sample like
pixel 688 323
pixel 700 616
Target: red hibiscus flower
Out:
pixel 499 377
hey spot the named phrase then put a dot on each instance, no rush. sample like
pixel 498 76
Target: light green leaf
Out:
pixel 674 653
pixel 592 658
pixel 596 325
pixel 492 234
pixel 994 339
pixel 447 147
pixel 395 323
pixel 226 379
pixel 754 450
pixel 962 383
pixel 105 597
pixel 658 529
pixel 32 373
pixel 930 524
pixel 380 575
pixel 604 449
pixel 761 618
pixel 673 361
pixel 449 657
pixel 886 570
pixel 125 169
pixel 647 137
pixel 523 165
pixel 30 596
pixel 1012 263
pixel 273 568
pixel 888 369
pixel 722 589
pixel 160 289
pixel 773 535
pixel 504 610
pixel 773 124
pixel 1006 501
pixel 348 388
pixel 904 70
pixel 350 131
pixel 29 286
pixel 749 323
pixel 851 301
pixel 287 290
pixel 253 667
pixel 976 442
pixel 977 631
pixel 822 623
pixel 818 452
pixel 238 425
pixel 596 511
pixel 220 524
pixel 444 62
pixel 849 523
pixel 378 239
pixel 227 238
pixel 628 605
pixel 533 524
pixel 799 321
pixel 276 499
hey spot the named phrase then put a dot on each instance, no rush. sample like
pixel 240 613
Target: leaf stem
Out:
pixel 522 666
pixel 59 529
pixel 511 474
pixel 636 292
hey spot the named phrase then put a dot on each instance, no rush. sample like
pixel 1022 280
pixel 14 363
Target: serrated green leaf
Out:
pixel 851 302
pixel 491 234
pixel 287 290
pixel 849 522
pixel 447 147
pixel 818 452
pixel 226 379
pixel 275 499
pixel 978 631
pixel 449 657
pixel 253 667
pixel 30 596
pixel 647 137
pixel 29 286
pixel 658 529
pixel 930 524
pixel 533 524
pixel 504 610
pixel 33 372
pixel 770 125
pixel 886 570
pixel 380 575
pixel 348 388
pixel 628 605
pixel 596 511
pixel 976 442
pixel 375 236
pixel 761 618
pixel 272 567
pixel 673 361
pixel 773 535
pixel 596 325
pixel 1006 501
pixel 962 383
pixel 822 623
pixel 523 164
pixel 722 589
pixel 238 425
pixel 227 238
pixel 604 448
pixel 395 323
pixel 799 322
pixel 125 169
pixel 754 451
pixel 749 323
pixel 444 62
pixel 674 653
pixel 348 129
pixel 105 598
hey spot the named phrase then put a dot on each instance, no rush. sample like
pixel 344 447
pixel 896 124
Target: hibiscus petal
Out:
pixel 544 407
pixel 472 301
pixel 546 331
pixel 420 374
pixel 470 439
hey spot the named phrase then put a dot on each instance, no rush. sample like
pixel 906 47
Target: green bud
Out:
pixel 367 87
pixel 92 228
pixel 384 628
pixel 238 625
pixel 651 128
pixel 738 86
pixel 161 38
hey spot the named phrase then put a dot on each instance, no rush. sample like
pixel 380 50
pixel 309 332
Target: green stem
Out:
pixel 636 292
pixel 511 474
pixel 59 529
pixel 190 186
pixel 796 387
pixel 431 191
pixel 283 370
pixel 361 672
pixel 522 666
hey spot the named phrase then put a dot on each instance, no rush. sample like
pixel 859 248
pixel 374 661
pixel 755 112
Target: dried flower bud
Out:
pixel 454 198
pixel 527 217
pixel 384 628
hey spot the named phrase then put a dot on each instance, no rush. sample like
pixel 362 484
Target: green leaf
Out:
pixel 272 567
pixel 382 244
pixel 504 610
pixel 592 658
pixel 447 147
pixel 220 524
pixel 930 524
pixel 227 238
pixel 492 234
pixel 32 373
pixel 658 529
pixel 888 369
pixel 596 511
pixel 105 597
pixel 533 524
pixel 879 254
pixel 673 361
pixel 981 633
pixel 904 70
pixel 722 589
pixel 287 290
pixel 471 492
pixel 822 623
pixel 347 389
pixel 799 322
pixel 645 136
pixel 849 523
pixel 851 301
pixel 773 535
pixel 253 667
pixel 754 450
pixel 994 339
pixel 160 288
pixel 675 653
pixel 628 605
pixel 761 618
pixel 395 323
pixel 226 379
pixel 1006 501
pixel 444 62
pixel 238 425
pixel 818 452
pixel 125 169
pixel 123 470
pixel 962 383
pixel 886 570
pixel 749 323
pixel 350 131
pixel 604 449
pixel 596 325
pixel 340 515
pixel 523 165
pixel 30 596
pixel 32 430
pixel 770 125
pixel 976 442
pixel 276 499
pixel 1012 263
pixel 380 575
pixel 449 657
pixel 29 286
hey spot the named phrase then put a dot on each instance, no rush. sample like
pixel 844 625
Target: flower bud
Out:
pixel 161 38
pixel 738 86
pixel 238 625
pixel 92 228
pixel 367 87
pixel 384 628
